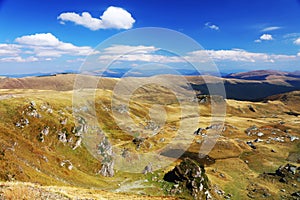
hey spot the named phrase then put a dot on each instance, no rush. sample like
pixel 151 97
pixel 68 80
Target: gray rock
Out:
pixel 260 134
pixel 148 169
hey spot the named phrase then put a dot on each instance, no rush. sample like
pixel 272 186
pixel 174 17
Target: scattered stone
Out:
pixel 64 121
pixel 293 138
pixel 151 125
pixel 120 109
pixel 251 108
pixel 148 169
pixel 32 103
pixel 266 194
pixel 78 143
pixel 251 130
pixel 22 123
pixel 199 131
pixel 258 140
pixel 45 131
pixel 251 145
pixel 278 139
pixel 67 164
pixel 260 134
pixel 62 137
pixel 296 194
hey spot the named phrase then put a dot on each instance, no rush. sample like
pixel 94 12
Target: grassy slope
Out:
pixel 25 161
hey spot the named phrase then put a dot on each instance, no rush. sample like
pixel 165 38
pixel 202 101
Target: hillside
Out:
pixel 248 86
pixel 52 141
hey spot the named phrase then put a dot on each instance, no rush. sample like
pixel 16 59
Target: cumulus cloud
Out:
pixel 112 18
pixel 266 37
pixel 39 39
pixel 150 54
pixel 271 28
pixel 297 41
pixel 46 44
pixel 212 26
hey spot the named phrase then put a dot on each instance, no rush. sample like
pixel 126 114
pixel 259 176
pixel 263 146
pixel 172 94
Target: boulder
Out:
pixel 189 176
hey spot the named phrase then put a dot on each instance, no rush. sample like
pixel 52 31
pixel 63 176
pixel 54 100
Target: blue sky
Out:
pixel 57 35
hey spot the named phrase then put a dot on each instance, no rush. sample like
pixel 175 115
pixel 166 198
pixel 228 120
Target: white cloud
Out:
pixel 122 49
pixel 46 44
pixel 19 59
pixel 39 39
pixel 257 41
pixel 271 28
pixel 236 55
pixel 149 54
pixel 113 17
pixel 297 41
pixel 135 53
pixel 212 26
pixel 9 49
pixel 266 37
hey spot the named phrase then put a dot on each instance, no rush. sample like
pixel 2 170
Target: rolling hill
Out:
pixel 51 145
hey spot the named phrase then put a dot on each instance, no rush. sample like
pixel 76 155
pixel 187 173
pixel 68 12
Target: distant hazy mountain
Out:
pixel 253 85
pixel 262 74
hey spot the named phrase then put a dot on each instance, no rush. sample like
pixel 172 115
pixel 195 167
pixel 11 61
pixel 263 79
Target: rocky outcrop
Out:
pixel 107 163
pixel 189 176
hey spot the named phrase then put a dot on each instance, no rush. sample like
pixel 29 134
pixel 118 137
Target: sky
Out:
pixel 237 35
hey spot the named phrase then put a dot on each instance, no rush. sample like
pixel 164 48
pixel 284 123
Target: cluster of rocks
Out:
pixel 222 193
pixel 287 174
pixel 203 131
pixel 78 131
pixel 46 108
pixel 151 125
pixel 189 176
pixel 120 108
pixel 22 123
pixel 43 133
pixel 62 136
pixel 32 110
pixel 278 135
pixel 256 191
pixel 204 99
pixel 107 163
